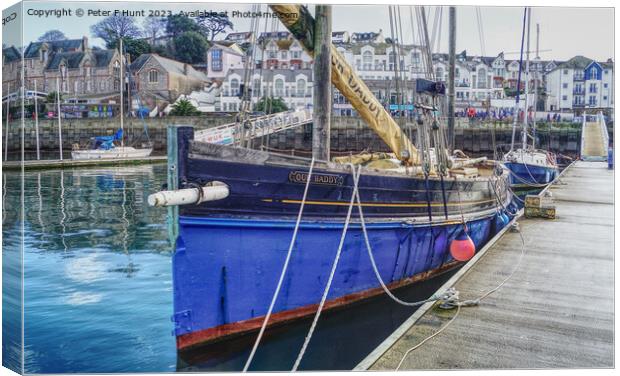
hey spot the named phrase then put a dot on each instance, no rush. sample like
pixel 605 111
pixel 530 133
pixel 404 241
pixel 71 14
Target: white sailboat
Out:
pixel 529 167
pixel 104 146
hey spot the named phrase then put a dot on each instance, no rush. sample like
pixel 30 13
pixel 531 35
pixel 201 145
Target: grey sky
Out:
pixel 565 31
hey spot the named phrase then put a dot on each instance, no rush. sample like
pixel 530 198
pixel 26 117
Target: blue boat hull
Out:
pixel 230 252
pixel 226 270
pixel 527 176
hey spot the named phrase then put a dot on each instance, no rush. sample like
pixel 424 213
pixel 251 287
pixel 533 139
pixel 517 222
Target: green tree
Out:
pixel 183 107
pixel 178 24
pixel 51 97
pixel 134 47
pixel 214 24
pixel 270 105
pixel 190 47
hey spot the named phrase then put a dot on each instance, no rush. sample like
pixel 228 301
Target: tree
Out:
pixel 133 47
pixel 52 35
pixel 153 27
pixel 51 97
pixel 112 28
pixel 178 24
pixel 214 24
pixel 190 47
pixel 270 105
pixel 183 107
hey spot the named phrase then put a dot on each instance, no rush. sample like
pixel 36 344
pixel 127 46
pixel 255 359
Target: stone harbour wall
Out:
pixel 347 135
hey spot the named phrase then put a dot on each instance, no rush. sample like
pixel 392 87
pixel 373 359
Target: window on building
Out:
pixel 606 71
pixel 565 71
pixel 604 97
pixel 367 60
pixel 391 60
pixel 256 89
pixel 605 86
pixel 415 58
pixel 593 73
pixel 234 87
pixel 564 97
pixel 301 87
pixel 284 55
pixel 439 73
pixel 216 60
pixel 592 100
pixel 116 69
pixel 296 54
pixel 153 76
pixel 279 85
pixel 592 88
pixel 565 85
pixel 482 78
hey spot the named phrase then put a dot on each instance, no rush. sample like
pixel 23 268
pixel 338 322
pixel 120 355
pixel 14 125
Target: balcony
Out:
pixel 578 77
pixel 579 91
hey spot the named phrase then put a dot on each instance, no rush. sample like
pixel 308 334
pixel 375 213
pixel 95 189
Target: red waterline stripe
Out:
pixel 231 330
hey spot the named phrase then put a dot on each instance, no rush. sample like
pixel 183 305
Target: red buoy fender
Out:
pixel 462 247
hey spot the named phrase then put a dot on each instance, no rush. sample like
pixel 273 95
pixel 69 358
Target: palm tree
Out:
pixel 183 107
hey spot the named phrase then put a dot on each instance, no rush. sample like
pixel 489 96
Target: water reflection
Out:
pixel 97 270
pixel 98 285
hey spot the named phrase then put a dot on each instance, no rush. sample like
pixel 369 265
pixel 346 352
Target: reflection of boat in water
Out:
pixel 307 215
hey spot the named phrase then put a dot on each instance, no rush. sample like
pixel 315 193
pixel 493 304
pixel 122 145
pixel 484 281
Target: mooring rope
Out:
pixel 284 268
pixel 376 269
pixel 455 302
pixel 334 266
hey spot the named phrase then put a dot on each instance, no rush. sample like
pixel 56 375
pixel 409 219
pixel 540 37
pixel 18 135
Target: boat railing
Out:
pixel 257 127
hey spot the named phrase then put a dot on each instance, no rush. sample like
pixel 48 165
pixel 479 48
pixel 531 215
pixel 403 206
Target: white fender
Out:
pixel 188 196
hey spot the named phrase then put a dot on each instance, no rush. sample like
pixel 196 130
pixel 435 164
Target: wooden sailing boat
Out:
pixel 239 210
pixel 104 147
pixel 529 167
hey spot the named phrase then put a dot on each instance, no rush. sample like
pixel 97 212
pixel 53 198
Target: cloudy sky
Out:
pixel 564 31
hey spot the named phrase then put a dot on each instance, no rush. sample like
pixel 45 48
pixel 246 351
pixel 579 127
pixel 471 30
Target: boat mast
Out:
pixel 322 83
pixel 536 87
pixel 451 74
pixel 516 108
pixel 527 80
pixel 121 86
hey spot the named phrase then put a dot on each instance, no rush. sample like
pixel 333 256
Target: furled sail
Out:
pixel 300 23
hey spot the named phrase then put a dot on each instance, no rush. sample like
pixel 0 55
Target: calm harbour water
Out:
pixel 98 287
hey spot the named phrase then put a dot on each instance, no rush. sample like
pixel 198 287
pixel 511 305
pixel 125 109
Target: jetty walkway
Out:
pixel 557 310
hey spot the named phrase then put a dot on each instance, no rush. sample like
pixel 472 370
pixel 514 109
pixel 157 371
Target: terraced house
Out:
pixel 83 72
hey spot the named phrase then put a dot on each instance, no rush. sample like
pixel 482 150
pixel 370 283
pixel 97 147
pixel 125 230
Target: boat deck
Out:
pixel 70 163
pixel 557 311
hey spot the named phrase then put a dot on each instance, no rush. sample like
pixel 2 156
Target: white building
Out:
pixel 294 86
pixel 221 59
pixel 580 83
